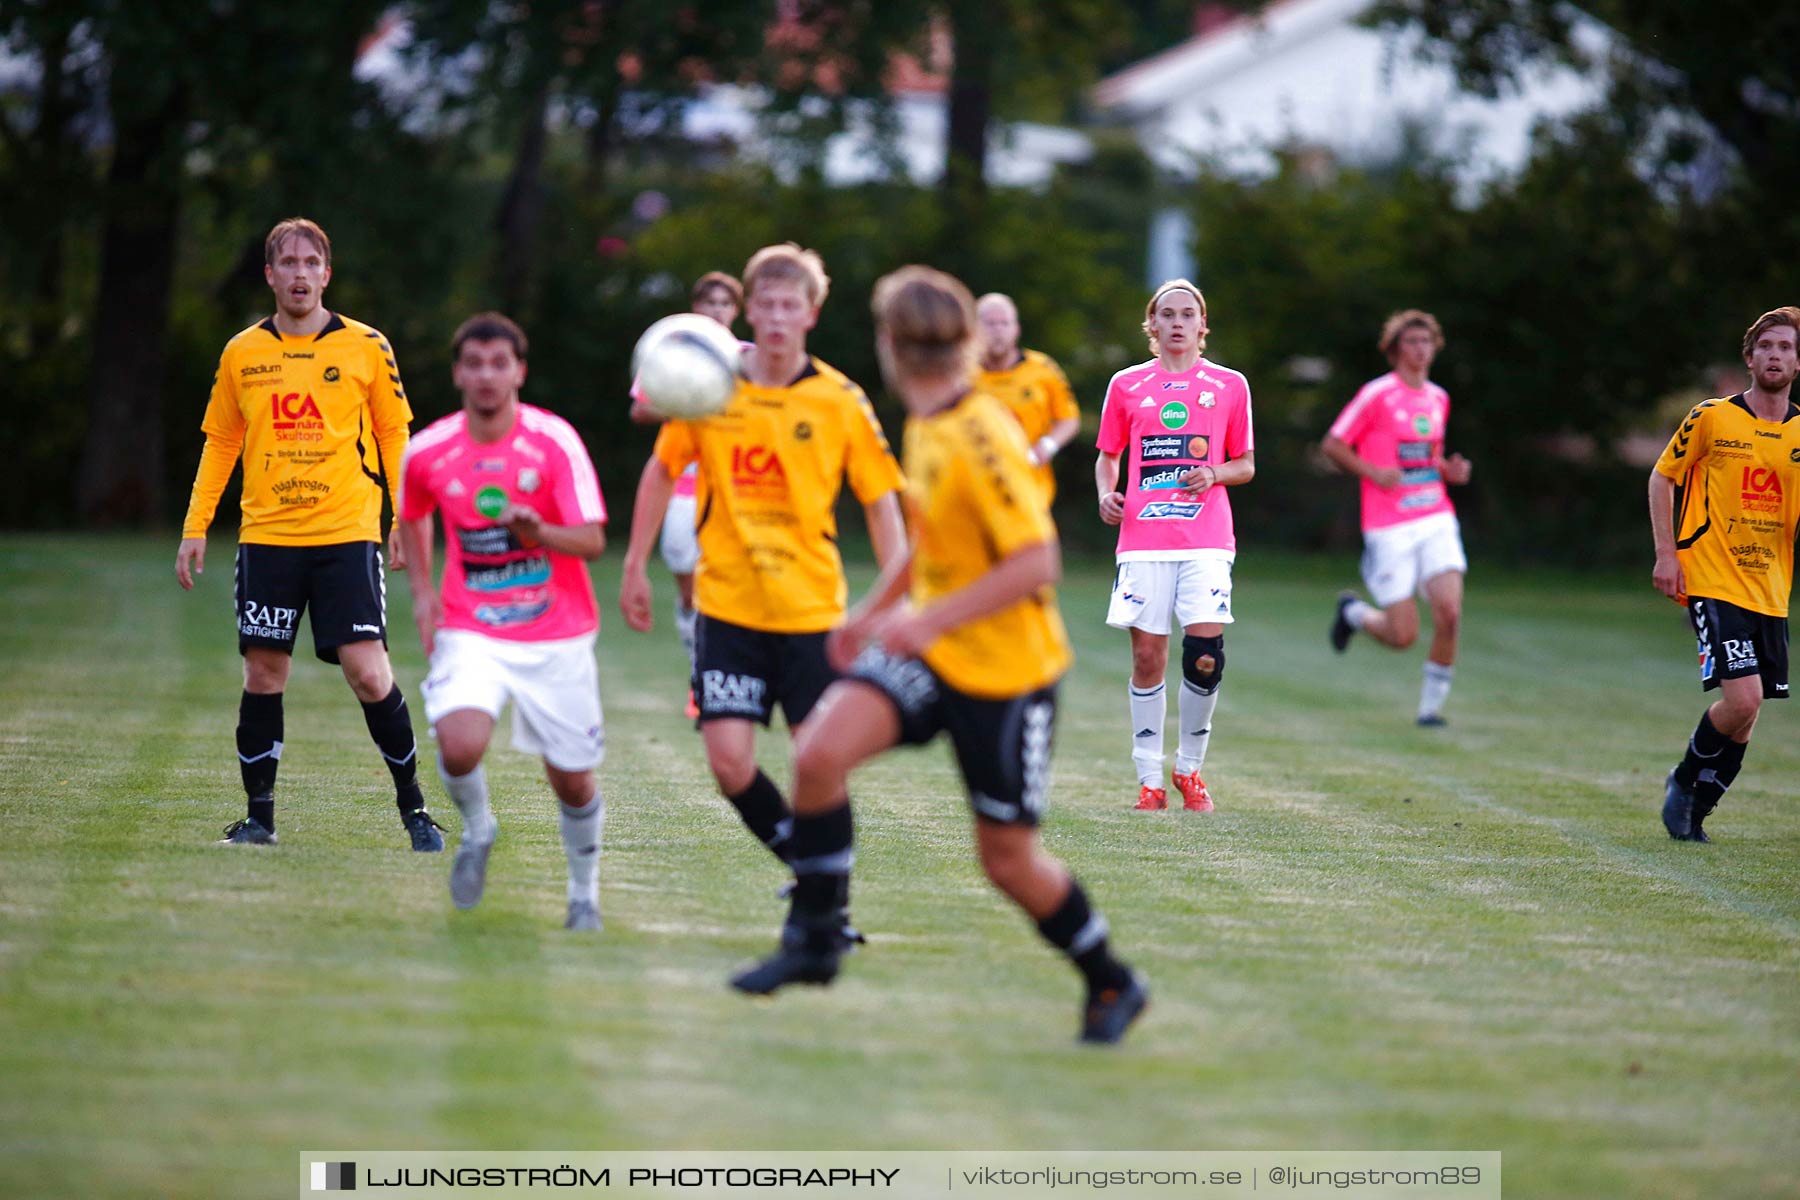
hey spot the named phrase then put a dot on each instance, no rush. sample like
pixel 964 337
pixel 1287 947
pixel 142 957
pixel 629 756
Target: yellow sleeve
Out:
pixel 390 414
pixel 1004 488
pixel 1062 396
pixel 1688 446
pixel 223 425
pixel 675 447
pixel 872 469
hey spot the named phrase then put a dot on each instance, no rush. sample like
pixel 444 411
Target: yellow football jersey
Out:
pixel 771 467
pixel 1038 395
pixel 318 421
pixel 972 500
pixel 1737 502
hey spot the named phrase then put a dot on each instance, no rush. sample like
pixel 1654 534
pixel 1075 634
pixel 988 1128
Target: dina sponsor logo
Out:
pixel 490 502
pixel 1173 415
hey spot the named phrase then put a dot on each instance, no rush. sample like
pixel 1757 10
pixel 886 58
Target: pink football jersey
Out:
pixel 1392 425
pixel 1164 424
pixel 493 583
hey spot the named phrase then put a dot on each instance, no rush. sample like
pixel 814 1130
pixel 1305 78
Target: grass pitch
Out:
pixel 1469 938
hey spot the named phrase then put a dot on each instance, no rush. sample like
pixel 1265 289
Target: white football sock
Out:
pixel 684 625
pixel 471 795
pixel 1357 612
pixel 1195 708
pixel 581 843
pixel 1148 706
pixel 1435 689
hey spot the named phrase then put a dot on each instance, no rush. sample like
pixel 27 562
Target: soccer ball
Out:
pixel 686 366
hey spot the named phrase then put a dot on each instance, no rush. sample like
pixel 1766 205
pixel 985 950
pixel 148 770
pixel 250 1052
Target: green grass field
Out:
pixel 1470 938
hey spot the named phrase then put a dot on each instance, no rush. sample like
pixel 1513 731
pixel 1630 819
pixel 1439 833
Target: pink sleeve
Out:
pixel 577 490
pixel 416 499
pixel 1115 421
pixel 1240 433
pixel 1353 422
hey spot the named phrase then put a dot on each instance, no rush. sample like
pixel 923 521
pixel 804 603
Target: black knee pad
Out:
pixel 1203 662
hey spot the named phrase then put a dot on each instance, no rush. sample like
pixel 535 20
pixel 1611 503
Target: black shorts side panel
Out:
pixel 911 685
pixel 805 674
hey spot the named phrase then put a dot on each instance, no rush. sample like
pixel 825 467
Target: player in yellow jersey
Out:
pixel 1029 382
pixel 312 402
pixel 962 637
pixel 1724 506
pixel 769 583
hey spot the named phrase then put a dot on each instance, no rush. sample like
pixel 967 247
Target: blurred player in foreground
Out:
pixel 962 638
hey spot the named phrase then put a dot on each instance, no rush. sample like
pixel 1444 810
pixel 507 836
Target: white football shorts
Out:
pixel 680 546
pixel 1197 590
pixel 1399 559
pixel 554 688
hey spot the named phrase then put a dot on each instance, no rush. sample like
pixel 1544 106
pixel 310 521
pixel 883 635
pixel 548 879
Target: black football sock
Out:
pixel 1080 932
pixel 824 849
pixel 1717 775
pixel 1703 752
pixel 390 724
pixel 766 815
pixel 259 752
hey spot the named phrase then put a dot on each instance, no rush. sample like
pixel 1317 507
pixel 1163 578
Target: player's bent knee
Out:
pixel 1203 661
pixel 732 773
pixel 460 757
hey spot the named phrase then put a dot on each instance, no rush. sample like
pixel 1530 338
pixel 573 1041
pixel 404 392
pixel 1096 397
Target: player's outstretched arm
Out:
pixel 655 486
pixel 1666 576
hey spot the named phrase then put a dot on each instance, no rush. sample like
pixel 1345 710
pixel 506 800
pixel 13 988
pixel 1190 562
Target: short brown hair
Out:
pixel 789 261
pixel 1787 314
pixel 489 327
pixel 1173 285
pixel 295 227
pixel 717 279
pixel 1395 327
pixel 929 318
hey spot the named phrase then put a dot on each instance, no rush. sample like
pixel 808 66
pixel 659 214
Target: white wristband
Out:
pixel 1044 448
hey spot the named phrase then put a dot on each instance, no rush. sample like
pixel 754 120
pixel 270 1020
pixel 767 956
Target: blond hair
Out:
pixel 929 319
pixel 1395 327
pixel 1787 314
pixel 1163 289
pixel 788 262
pixel 295 227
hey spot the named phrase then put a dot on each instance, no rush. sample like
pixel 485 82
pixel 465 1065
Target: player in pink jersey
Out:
pixel 1392 435
pixel 1176 431
pixel 515 617
pixel 721 297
